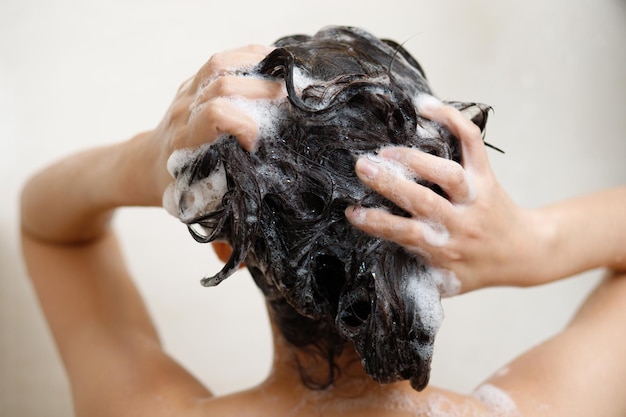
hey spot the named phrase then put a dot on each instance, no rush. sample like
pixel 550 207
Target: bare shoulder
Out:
pixel 265 401
pixel 579 371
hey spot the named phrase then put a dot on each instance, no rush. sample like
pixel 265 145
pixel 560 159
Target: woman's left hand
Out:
pixel 477 232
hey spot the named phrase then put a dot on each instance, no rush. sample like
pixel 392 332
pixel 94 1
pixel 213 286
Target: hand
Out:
pixel 478 233
pixel 136 170
pixel 202 111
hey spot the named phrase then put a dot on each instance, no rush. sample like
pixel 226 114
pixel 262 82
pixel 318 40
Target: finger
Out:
pixel 391 182
pixel 223 62
pixel 470 136
pixel 234 86
pixel 417 236
pixel 447 174
pixel 235 58
pixel 217 117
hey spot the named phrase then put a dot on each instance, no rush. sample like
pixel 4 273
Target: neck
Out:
pixel 349 378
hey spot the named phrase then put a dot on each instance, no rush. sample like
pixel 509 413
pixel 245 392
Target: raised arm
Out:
pixel 104 333
pixel 478 232
pixel 72 200
pixel 486 240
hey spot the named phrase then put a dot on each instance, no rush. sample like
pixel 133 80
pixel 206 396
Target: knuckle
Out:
pixel 185 86
pixel 456 177
pixel 471 231
pixel 384 182
pixel 412 237
pixel 225 86
pixel 449 112
pixel 451 116
pixel 255 48
pixel 472 131
pixel 414 229
pixel 368 220
pixel 213 67
pixel 215 62
pixel 386 227
pixel 451 254
pixel 179 112
pixel 180 138
pixel 428 200
pixel 213 110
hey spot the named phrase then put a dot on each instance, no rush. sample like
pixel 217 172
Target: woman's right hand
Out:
pixel 202 110
pixel 134 172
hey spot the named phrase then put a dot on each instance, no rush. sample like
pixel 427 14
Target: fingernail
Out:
pixel 426 103
pixel 355 214
pixel 252 148
pixel 367 168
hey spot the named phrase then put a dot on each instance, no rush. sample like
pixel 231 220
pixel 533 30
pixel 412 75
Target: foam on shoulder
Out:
pixel 496 400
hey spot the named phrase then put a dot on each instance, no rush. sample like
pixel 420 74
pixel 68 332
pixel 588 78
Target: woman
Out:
pixel 110 347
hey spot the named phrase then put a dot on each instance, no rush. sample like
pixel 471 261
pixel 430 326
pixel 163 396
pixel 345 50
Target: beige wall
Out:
pixel 79 73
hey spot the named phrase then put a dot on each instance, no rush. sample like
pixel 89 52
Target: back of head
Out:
pixel 282 207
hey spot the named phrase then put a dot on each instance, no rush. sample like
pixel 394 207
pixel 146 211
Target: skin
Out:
pixel 110 346
pixel 492 241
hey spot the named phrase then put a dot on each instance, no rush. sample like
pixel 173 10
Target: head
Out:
pixel 281 208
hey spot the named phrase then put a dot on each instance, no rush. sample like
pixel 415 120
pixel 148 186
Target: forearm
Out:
pixel 581 234
pixel 73 199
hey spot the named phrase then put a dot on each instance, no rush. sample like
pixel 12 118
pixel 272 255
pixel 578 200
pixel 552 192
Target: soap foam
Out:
pixel 301 80
pixel 263 111
pixel 180 157
pixel 203 195
pixel 502 372
pixel 424 291
pixel 435 234
pixel 496 400
pixel 471 187
pixel 189 201
pixel 423 101
pixel 170 204
pixel 447 282
pixel 430 404
pixel 396 169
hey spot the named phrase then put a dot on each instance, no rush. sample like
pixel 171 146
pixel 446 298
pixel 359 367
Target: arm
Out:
pixel 487 239
pixel 133 173
pixel 492 241
pixel 580 371
pixel 105 336
pixel 577 373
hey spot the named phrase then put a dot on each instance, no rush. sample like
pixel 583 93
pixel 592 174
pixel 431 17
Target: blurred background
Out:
pixel 75 74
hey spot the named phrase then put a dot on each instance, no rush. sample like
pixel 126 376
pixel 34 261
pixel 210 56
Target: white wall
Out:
pixel 79 73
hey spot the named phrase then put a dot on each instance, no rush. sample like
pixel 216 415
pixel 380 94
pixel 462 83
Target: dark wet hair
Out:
pixel 327 282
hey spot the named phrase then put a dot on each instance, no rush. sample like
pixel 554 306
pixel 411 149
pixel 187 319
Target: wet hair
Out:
pixel 281 208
